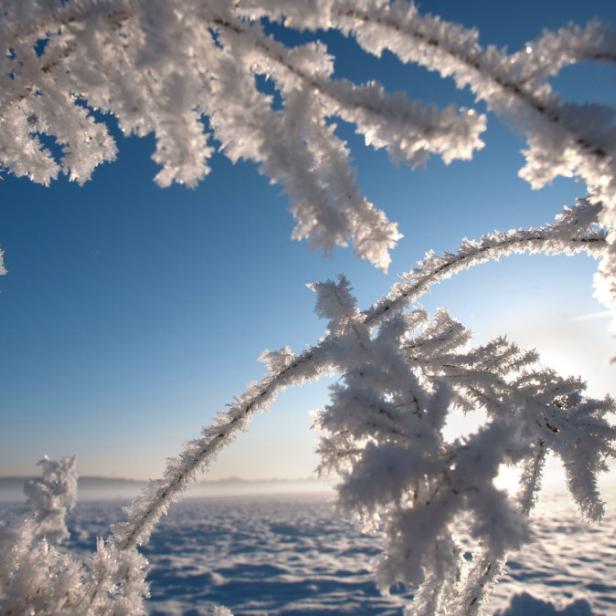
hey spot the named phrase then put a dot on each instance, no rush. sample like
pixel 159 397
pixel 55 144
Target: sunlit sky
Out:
pixel 131 314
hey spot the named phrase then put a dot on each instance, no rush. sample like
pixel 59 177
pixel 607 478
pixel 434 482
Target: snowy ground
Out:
pixel 295 554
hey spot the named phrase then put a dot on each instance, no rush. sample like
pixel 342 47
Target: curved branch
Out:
pixel 434 268
pixel 148 508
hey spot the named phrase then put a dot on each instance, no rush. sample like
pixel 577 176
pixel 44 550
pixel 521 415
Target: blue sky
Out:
pixel 131 314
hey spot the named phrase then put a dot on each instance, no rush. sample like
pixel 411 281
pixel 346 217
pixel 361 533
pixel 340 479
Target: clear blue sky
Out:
pixel 131 314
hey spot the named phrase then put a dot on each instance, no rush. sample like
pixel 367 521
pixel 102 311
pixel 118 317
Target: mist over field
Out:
pixel 289 551
pixel 110 488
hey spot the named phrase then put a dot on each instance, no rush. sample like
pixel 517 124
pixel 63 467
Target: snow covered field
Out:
pixel 295 554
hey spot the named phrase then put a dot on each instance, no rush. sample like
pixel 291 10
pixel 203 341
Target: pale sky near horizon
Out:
pixel 131 314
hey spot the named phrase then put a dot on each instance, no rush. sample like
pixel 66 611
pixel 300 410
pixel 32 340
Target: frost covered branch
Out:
pixel 570 233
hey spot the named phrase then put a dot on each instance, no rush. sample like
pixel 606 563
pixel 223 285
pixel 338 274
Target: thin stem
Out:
pixel 487 570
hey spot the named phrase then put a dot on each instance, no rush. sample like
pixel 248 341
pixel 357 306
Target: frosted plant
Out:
pixel 532 411
pixel 39 576
pixel 191 72
pixel 382 433
pixel 34 574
